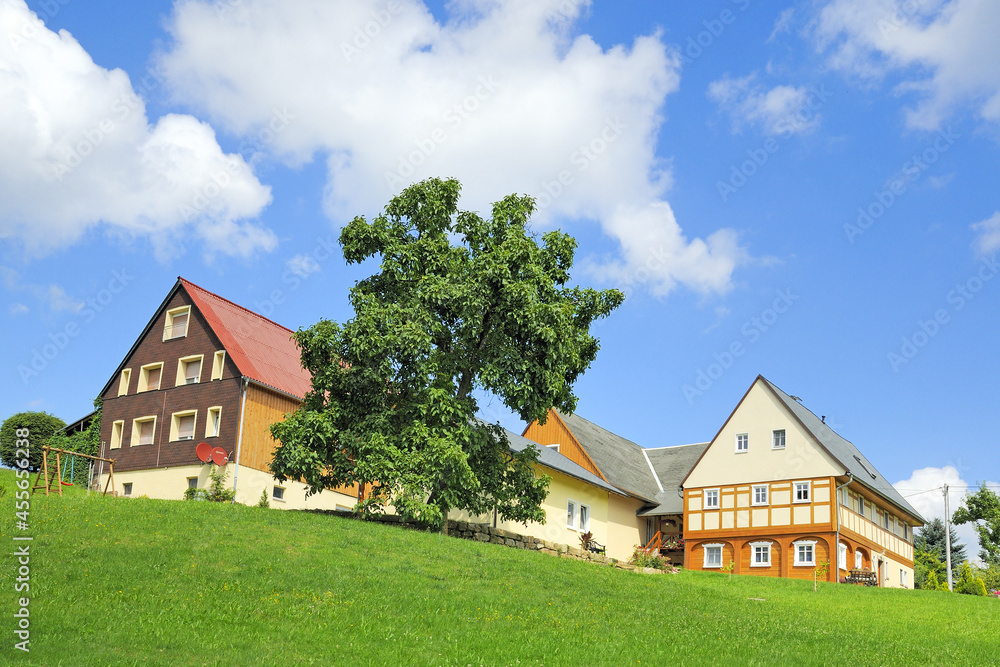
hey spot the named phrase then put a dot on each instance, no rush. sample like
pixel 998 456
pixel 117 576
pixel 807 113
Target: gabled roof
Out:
pixel 671 464
pixel 620 460
pixel 843 451
pixel 550 458
pixel 263 350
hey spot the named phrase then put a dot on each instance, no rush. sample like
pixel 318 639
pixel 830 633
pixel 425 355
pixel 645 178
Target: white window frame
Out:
pixel 214 410
pixel 126 378
pixel 795 492
pixel 743 438
pixel 705 497
pixel 767 495
pixel 182 365
pixel 812 550
pixel 859 559
pixel 754 546
pixel 774 438
pixel 571 513
pixel 902 578
pixel 584 518
pixel 218 364
pixel 168 325
pixel 175 425
pixel 144 377
pixel 278 493
pixel 136 430
pixel 705 551
pixel 117 429
pixel 127 489
pixel 842 557
pixel 192 482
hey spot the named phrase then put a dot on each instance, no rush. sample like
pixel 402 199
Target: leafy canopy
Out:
pixel 982 509
pixel 459 303
pixel 42 427
pixel 931 538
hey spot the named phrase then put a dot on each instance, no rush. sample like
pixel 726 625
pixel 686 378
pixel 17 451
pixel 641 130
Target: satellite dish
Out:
pixel 204 451
pixel 219 457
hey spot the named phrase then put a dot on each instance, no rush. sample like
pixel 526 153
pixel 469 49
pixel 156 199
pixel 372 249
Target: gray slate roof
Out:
pixel 550 458
pixel 844 452
pixel 672 464
pixel 620 459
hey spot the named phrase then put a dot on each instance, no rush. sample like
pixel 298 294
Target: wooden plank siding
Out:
pixel 263 408
pixel 555 432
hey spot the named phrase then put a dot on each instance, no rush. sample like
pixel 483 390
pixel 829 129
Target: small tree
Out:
pixel 928 570
pixel 42 427
pixel 968 583
pixel 931 538
pixel 982 509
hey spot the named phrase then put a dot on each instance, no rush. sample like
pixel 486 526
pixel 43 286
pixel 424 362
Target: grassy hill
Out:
pixel 137 581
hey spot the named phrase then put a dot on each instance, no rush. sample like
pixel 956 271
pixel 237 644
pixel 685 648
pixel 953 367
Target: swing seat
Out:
pixel 66 483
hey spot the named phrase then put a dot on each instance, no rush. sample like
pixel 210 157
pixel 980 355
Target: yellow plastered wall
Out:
pixel 171 483
pixel 758 415
pixel 562 488
pixel 625 529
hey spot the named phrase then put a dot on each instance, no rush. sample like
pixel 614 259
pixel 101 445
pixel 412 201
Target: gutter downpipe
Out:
pixel 239 438
pixel 837 505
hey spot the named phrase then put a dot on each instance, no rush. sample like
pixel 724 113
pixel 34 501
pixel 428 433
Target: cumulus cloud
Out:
pixel 781 110
pixel 303 265
pixel 924 491
pixel 78 152
pixel 944 50
pixel 987 235
pixel 500 95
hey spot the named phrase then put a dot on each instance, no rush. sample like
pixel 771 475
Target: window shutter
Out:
pixel 192 369
pixel 153 379
pixel 178 326
pixel 146 433
pixel 185 427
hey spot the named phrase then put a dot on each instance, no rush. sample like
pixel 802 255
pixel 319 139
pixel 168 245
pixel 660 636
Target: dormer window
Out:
pixel 177 323
pixel 189 370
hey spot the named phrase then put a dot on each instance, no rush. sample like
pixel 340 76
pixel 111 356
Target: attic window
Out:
pixel 177 323
pixel 864 467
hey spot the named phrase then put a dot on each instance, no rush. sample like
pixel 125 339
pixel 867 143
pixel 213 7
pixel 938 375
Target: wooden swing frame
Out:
pixel 44 473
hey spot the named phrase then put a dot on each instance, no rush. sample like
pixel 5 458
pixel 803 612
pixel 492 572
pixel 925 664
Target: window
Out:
pixel 902 578
pixel 711 499
pixel 842 557
pixel 861 506
pixel 859 559
pixel 760 495
pixel 584 518
pixel 143 430
pixel 805 553
pixel 123 383
pixel 278 493
pixel 906 531
pixel 213 421
pixel 149 377
pixel 802 492
pixel 778 439
pixel 888 521
pixel 182 425
pixel 713 555
pixel 571 514
pixel 192 482
pixel 116 434
pixel 218 364
pixel 177 323
pixel 761 556
pixel 127 489
pixel 742 442
pixel 188 370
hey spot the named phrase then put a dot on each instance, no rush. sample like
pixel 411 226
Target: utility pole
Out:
pixel 947 534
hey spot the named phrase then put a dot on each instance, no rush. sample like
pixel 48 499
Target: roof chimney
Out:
pixel 823 419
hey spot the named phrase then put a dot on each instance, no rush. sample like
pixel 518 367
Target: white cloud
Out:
pixel 303 265
pixel 782 110
pixel 783 23
pixel 988 238
pixel 924 491
pixel 18 309
pixel 77 152
pixel 58 300
pixel 500 96
pixel 945 50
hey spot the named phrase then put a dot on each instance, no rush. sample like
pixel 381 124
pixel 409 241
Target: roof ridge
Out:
pixel 690 444
pixel 188 283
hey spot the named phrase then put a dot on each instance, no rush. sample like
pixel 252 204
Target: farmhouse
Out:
pixel 775 492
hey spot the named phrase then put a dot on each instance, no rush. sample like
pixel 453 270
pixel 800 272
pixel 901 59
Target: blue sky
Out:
pixel 810 185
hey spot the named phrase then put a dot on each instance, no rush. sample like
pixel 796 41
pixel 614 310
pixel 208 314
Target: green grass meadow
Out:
pixel 138 581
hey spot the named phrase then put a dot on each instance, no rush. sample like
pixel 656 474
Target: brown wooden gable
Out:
pixel 555 432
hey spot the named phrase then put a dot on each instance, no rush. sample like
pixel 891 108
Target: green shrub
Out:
pixel 642 558
pixel 264 501
pixel 968 583
pixel 42 427
pixel 216 492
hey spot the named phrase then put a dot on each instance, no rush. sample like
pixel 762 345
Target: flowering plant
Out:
pixel 673 543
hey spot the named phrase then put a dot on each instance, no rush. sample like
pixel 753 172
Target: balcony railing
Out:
pixel 851 520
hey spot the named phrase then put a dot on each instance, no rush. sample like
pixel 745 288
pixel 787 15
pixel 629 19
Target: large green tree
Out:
pixel 460 304
pixel 931 539
pixel 42 427
pixel 982 509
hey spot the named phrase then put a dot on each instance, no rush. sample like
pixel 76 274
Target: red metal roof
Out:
pixel 263 350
